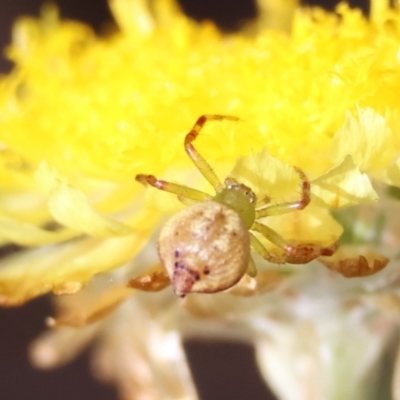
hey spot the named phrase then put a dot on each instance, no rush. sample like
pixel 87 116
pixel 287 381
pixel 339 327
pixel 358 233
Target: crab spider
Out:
pixel 205 248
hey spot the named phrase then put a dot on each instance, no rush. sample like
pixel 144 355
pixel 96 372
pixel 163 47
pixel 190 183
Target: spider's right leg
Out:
pixel 201 164
pixel 179 190
pixel 294 252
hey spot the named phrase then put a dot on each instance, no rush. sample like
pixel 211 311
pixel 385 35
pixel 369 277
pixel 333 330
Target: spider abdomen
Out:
pixel 205 248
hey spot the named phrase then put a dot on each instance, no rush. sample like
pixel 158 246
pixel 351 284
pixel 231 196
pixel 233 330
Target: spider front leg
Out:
pixel 288 207
pixel 184 192
pixel 180 190
pixel 201 164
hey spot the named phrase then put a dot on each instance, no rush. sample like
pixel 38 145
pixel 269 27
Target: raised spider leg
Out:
pixel 201 164
pixel 285 208
pixel 180 190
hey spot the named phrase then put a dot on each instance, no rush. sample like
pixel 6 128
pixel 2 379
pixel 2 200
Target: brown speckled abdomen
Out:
pixel 205 248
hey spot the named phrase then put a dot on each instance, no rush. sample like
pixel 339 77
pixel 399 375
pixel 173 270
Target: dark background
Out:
pixel 222 371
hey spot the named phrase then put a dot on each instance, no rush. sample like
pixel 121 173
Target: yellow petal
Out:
pixel 26 234
pixel 368 139
pixel 71 208
pixel 392 174
pixel 134 17
pixel 25 206
pixel 64 268
pixel 266 175
pixel 313 224
pixel 342 186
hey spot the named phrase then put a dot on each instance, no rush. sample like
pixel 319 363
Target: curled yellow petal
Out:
pixel 63 269
pixel 392 176
pixel 71 208
pixel 368 139
pixel 134 17
pixel 342 186
pixel 266 175
pixel 26 234
pixel 313 224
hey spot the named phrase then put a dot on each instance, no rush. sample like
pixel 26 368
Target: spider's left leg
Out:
pixel 288 207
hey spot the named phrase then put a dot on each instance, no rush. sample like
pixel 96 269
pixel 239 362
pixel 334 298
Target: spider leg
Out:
pixel 201 164
pixel 285 208
pixel 186 201
pixel 294 252
pixel 263 202
pixel 251 269
pixel 260 248
pixel 153 280
pixel 274 237
pixel 180 190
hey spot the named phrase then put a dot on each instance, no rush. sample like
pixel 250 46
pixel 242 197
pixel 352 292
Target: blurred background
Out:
pixel 222 371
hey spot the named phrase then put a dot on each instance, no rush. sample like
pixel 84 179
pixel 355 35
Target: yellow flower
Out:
pixel 81 115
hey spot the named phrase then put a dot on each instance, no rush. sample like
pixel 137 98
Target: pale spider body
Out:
pixel 205 248
pixel 210 241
